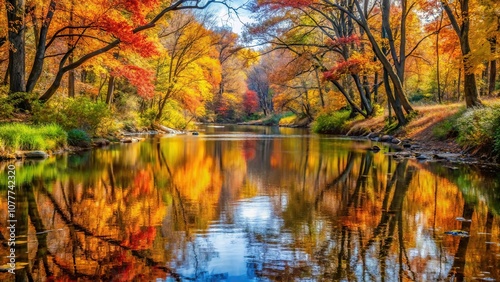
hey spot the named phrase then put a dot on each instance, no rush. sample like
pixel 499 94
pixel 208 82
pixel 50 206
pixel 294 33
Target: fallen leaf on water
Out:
pixel 459 233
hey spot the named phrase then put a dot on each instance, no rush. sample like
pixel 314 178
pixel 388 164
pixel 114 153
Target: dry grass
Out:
pixel 420 128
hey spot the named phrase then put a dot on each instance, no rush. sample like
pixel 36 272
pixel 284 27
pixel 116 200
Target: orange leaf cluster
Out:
pixel 141 78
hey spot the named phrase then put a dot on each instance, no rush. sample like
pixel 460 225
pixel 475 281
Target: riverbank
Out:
pixel 435 132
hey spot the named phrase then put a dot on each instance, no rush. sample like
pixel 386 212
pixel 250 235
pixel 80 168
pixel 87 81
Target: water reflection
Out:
pixel 251 204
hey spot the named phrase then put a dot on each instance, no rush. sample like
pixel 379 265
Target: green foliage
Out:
pixel 448 128
pixel 82 113
pixel 173 116
pixel 496 134
pixel 78 137
pixel 15 136
pixel 273 120
pixel 476 127
pixel 6 107
pixel 334 123
pixel 147 118
pixel 419 96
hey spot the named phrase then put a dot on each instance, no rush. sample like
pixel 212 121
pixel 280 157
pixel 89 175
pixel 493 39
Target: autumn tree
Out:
pixel 250 102
pixel 258 81
pixel 234 60
pixel 458 13
pixel 189 69
pixel 97 27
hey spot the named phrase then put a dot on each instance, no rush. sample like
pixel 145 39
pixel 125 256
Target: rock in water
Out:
pixel 385 138
pixel 36 155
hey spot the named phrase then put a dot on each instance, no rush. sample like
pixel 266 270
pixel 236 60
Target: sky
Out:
pixel 229 18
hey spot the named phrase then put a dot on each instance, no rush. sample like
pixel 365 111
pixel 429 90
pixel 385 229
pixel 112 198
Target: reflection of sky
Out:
pixel 236 249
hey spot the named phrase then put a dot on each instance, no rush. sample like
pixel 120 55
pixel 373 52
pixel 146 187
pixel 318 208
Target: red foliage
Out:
pixel 141 78
pixel 341 41
pixel 223 108
pixel 124 31
pixel 250 101
pixel 249 149
pixel 350 66
pixel 139 8
pixel 142 239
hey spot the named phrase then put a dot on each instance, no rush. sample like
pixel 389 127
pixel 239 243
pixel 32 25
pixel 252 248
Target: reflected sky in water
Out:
pixel 240 203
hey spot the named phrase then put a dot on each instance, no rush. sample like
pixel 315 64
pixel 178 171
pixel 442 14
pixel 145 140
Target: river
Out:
pixel 241 203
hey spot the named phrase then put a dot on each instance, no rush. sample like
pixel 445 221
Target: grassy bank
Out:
pixel 24 137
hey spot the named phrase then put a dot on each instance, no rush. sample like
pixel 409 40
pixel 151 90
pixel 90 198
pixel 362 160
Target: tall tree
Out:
pixel 459 16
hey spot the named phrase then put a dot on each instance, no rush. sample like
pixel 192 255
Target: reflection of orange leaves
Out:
pixel 249 149
pixel 141 239
pixel 143 184
pixel 196 178
pixel 275 160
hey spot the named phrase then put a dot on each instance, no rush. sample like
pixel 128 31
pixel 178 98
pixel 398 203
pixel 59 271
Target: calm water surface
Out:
pixel 250 204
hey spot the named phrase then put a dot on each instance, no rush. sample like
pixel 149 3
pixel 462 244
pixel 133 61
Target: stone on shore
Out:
pixel 36 155
pixel 99 142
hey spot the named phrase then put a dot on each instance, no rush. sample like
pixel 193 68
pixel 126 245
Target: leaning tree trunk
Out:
pixel 36 70
pixel 470 88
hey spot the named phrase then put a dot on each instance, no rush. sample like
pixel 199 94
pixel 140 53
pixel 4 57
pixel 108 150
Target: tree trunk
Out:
pixel 16 34
pixel 493 67
pixel 438 73
pixel 71 73
pixel 37 68
pixel 462 30
pixel 459 84
pixel 398 111
pixel 111 89
pixel 353 105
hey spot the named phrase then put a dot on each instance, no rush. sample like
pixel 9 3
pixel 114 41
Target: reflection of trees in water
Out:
pixel 348 251
pixel 337 216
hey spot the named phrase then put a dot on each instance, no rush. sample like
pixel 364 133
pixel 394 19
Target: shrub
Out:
pixel 288 120
pixel 78 137
pixel 147 118
pixel 334 123
pixel 26 137
pixel 70 113
pixel 476 127
pixel 6 107
pixel 496 134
